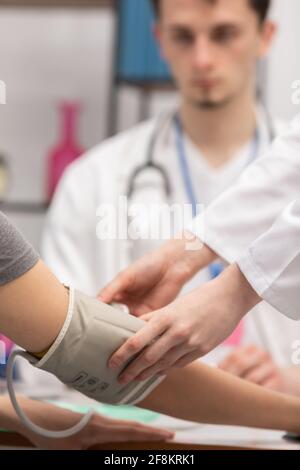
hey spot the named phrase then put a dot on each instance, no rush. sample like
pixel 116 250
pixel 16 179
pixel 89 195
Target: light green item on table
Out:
pixel 124 412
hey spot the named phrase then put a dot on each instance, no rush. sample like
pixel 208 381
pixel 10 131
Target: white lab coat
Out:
pixel 70 245
pixel 264 223
pixel 272 262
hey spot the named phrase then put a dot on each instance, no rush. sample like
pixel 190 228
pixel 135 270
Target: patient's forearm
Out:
pixel 203 394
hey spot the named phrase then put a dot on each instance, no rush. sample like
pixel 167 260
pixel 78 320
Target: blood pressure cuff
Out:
pixel 92 332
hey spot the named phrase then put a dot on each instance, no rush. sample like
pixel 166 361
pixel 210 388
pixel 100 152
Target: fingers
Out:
pixel 114 290
pixel 184 361
pixel 139 308
pixel 147 316
pixel 165 364
pixel 137 343
pixel 273 384
pixel 122 290
pixel 158 355
pixel 261 374
pixel 124 431
pixel 135 433
pixel 153 356
pixel 253 365
pixel 187 359
pixel 164 433
pixel 231 362
pixel 243 360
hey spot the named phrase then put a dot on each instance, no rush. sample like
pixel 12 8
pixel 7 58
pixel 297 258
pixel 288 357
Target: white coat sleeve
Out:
pixel 69 238
pixel 272 263
pixel 248 209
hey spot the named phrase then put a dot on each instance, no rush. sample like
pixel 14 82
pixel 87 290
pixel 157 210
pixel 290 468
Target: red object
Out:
pixel 67 150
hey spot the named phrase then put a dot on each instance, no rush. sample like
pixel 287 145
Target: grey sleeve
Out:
pixel 17 256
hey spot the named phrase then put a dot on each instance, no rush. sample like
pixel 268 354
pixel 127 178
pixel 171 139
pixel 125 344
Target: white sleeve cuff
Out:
pixel 208 236
pixel 253 274
pixel 269 292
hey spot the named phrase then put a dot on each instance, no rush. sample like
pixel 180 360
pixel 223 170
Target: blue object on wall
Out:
pixel 138 54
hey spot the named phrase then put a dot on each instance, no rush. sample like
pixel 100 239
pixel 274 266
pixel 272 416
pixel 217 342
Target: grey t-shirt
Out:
pixel 16 255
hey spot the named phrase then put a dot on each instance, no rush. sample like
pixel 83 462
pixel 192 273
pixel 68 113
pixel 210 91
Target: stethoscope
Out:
pixel 215 268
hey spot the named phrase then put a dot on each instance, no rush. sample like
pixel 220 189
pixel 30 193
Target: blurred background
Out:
pixel 72 70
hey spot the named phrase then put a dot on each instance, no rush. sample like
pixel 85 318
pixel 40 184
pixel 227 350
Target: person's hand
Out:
pixel 157 278
pixel 99 430
pixel 188 328
pixel 255 365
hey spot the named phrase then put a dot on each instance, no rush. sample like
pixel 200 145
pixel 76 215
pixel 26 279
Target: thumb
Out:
pixel 147 316
pixel 113 290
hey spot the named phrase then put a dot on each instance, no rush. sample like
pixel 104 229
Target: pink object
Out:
pixel 67 150
pixel 7 343
pixel 236 338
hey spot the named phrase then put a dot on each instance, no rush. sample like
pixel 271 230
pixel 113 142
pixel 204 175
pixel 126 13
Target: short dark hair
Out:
pixel 260 6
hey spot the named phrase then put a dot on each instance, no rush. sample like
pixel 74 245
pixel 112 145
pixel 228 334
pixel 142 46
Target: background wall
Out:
pixel 49 55
pixel 284 63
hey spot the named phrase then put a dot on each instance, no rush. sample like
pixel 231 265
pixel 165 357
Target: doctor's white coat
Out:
pixel 262 231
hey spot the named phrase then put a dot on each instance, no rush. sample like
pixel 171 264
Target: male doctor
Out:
pixel 212 49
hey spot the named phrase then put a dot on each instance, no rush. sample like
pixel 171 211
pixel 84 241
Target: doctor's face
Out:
pixel 212 47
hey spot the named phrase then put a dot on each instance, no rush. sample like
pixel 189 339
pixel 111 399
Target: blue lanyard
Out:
pixel 215 268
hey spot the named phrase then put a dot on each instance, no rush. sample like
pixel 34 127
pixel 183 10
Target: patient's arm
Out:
pixel 203 394
pixel 33 304
pixel 33 308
